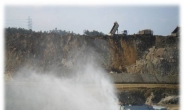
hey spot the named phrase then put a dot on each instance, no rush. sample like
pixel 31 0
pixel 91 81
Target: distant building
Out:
pixel 146 32
pixel 176 31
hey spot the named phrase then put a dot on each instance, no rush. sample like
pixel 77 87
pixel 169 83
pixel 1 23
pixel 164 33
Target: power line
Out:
pixel 18 22
pixel 29 23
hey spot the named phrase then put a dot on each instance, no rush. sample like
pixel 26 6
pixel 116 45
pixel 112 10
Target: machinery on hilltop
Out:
pixel 114 29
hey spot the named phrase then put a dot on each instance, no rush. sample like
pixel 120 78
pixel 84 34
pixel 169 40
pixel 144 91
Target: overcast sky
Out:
pixel 162 19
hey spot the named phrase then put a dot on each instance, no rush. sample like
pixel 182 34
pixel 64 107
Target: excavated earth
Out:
pixel 127 59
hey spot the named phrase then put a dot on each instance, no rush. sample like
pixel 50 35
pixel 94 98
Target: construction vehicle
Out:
pixel 125 32
pixel 146 32
pixel 114 29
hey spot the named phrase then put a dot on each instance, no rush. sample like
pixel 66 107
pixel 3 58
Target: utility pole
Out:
pixel 29 23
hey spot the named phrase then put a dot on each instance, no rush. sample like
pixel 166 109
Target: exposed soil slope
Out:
pixel 131 55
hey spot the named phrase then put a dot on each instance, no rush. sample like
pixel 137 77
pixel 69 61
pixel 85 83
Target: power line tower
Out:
pixel 29 23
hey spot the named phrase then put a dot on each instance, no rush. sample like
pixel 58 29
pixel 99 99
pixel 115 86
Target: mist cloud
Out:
pixel 88 88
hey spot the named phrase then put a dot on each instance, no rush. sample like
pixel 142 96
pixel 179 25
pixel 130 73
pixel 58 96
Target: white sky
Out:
pixel 161 19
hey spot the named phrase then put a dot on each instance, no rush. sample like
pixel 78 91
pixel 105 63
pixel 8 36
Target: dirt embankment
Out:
pixel 132 55
pixel 145 59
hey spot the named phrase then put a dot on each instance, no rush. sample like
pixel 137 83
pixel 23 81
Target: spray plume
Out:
pixel 89 88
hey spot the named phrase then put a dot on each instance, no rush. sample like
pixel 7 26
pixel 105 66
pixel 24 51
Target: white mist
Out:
pixel 89 88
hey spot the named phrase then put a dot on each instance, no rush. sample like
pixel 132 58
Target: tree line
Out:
pixel 13 30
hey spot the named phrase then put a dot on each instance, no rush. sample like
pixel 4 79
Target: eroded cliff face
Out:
pixel 126 50
pixel 124 55
pixel 161 58
pixel 146 59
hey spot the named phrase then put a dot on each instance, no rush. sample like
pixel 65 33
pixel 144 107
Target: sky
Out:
pixel 162 19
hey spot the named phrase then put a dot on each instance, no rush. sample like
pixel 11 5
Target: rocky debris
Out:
pixel 149 99
pixel 170 100
pixel 157 60
pixel 148 96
